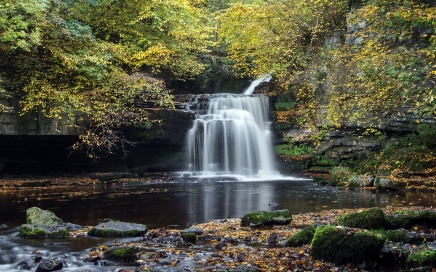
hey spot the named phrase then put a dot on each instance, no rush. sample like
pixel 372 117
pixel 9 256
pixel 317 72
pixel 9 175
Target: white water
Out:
pixel 255 83
pixel 232 137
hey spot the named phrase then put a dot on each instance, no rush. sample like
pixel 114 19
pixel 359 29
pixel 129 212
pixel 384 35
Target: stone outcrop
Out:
pixel 41 224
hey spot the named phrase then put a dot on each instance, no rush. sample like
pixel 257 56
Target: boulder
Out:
pixel 260 218
pixel 344 245
pixel 387 183
pixel 374 218
pixel 38 216
pixel 42 224
pixel 113 228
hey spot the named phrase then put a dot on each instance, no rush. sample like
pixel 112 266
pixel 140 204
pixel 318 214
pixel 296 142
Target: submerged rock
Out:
pixel 43 223
pixel 50 265
pixel 260 218
pixel 112 228
pixel 344 245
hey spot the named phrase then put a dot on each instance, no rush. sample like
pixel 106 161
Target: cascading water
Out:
pixel 231 136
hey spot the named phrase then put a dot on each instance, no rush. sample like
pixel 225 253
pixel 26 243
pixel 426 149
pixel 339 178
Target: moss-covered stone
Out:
pixel 374 218
pixel 302 237
pixel 41 231
pixel 259 218
pixel 342 246
pixel 43 223
pixel 189 237
pixel 122 254
pixel 113 228
pixel 422 258
pixel 420 217
pixel 38 216
pixel 400 221
pixel 397 236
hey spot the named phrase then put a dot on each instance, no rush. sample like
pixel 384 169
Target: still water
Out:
pixel 175 204
pixel 180 204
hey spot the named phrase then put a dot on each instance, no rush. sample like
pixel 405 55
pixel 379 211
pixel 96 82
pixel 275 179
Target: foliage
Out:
pixel 427 133
pixel 339 175
pixel 294 150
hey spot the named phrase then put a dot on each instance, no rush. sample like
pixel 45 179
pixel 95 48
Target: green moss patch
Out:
pixel 302 237
pixel 342 246
pixel 374 218
pixel 259 218
pixel 122 254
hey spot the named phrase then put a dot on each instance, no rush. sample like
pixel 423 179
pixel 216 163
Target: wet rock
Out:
pixel 189 237
pixel 197 231
pixel 387 183
pixel 122 254
pixel 42 223
pixel 112 228
pixel 344 245
pixel 50 265
pixel 373 218
pixel 38 216
pixel 260 218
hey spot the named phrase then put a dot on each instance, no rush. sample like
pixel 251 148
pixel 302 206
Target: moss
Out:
pixel 122 254
pixel 421 217
pixel 259 218
pixel 39 231
pixel 343 246
pixel 374 218
pixel 400 221
pixel 397 236
pixel 422 257
pixel 111 228
pixel 189 237
pixel 302 237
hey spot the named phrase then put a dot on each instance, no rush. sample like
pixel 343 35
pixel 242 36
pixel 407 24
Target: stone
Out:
pixel 343 246
pixel 374 218
pixel 50 265
pixel 122 254
pixel 112 228
pixel 386 183
pixel 43 223
pixel 38 216
pixel 260 218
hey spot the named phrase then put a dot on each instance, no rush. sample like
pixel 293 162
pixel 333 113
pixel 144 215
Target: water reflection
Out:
pixel 183 204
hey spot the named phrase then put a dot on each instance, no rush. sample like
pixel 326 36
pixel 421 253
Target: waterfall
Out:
pixel 231 135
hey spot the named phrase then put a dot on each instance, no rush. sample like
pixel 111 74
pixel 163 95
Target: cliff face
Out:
pixel 372 87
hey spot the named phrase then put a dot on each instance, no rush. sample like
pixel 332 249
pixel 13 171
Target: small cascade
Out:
pixel 231 136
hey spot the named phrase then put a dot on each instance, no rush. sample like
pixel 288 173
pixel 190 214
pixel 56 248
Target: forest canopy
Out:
pixel 88 62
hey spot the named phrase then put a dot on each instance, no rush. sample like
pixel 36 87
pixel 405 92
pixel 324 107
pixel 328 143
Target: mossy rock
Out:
pixel 111 228
pixel 40 231
pixel 420 217
pixel 189 237
pixel 342 245
pixel 374 218
pixel 260 218
pixel 302 237
pixel 400 221
pixel 122 254
pixel 38 216
pixel 422 257
pixel 397 236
